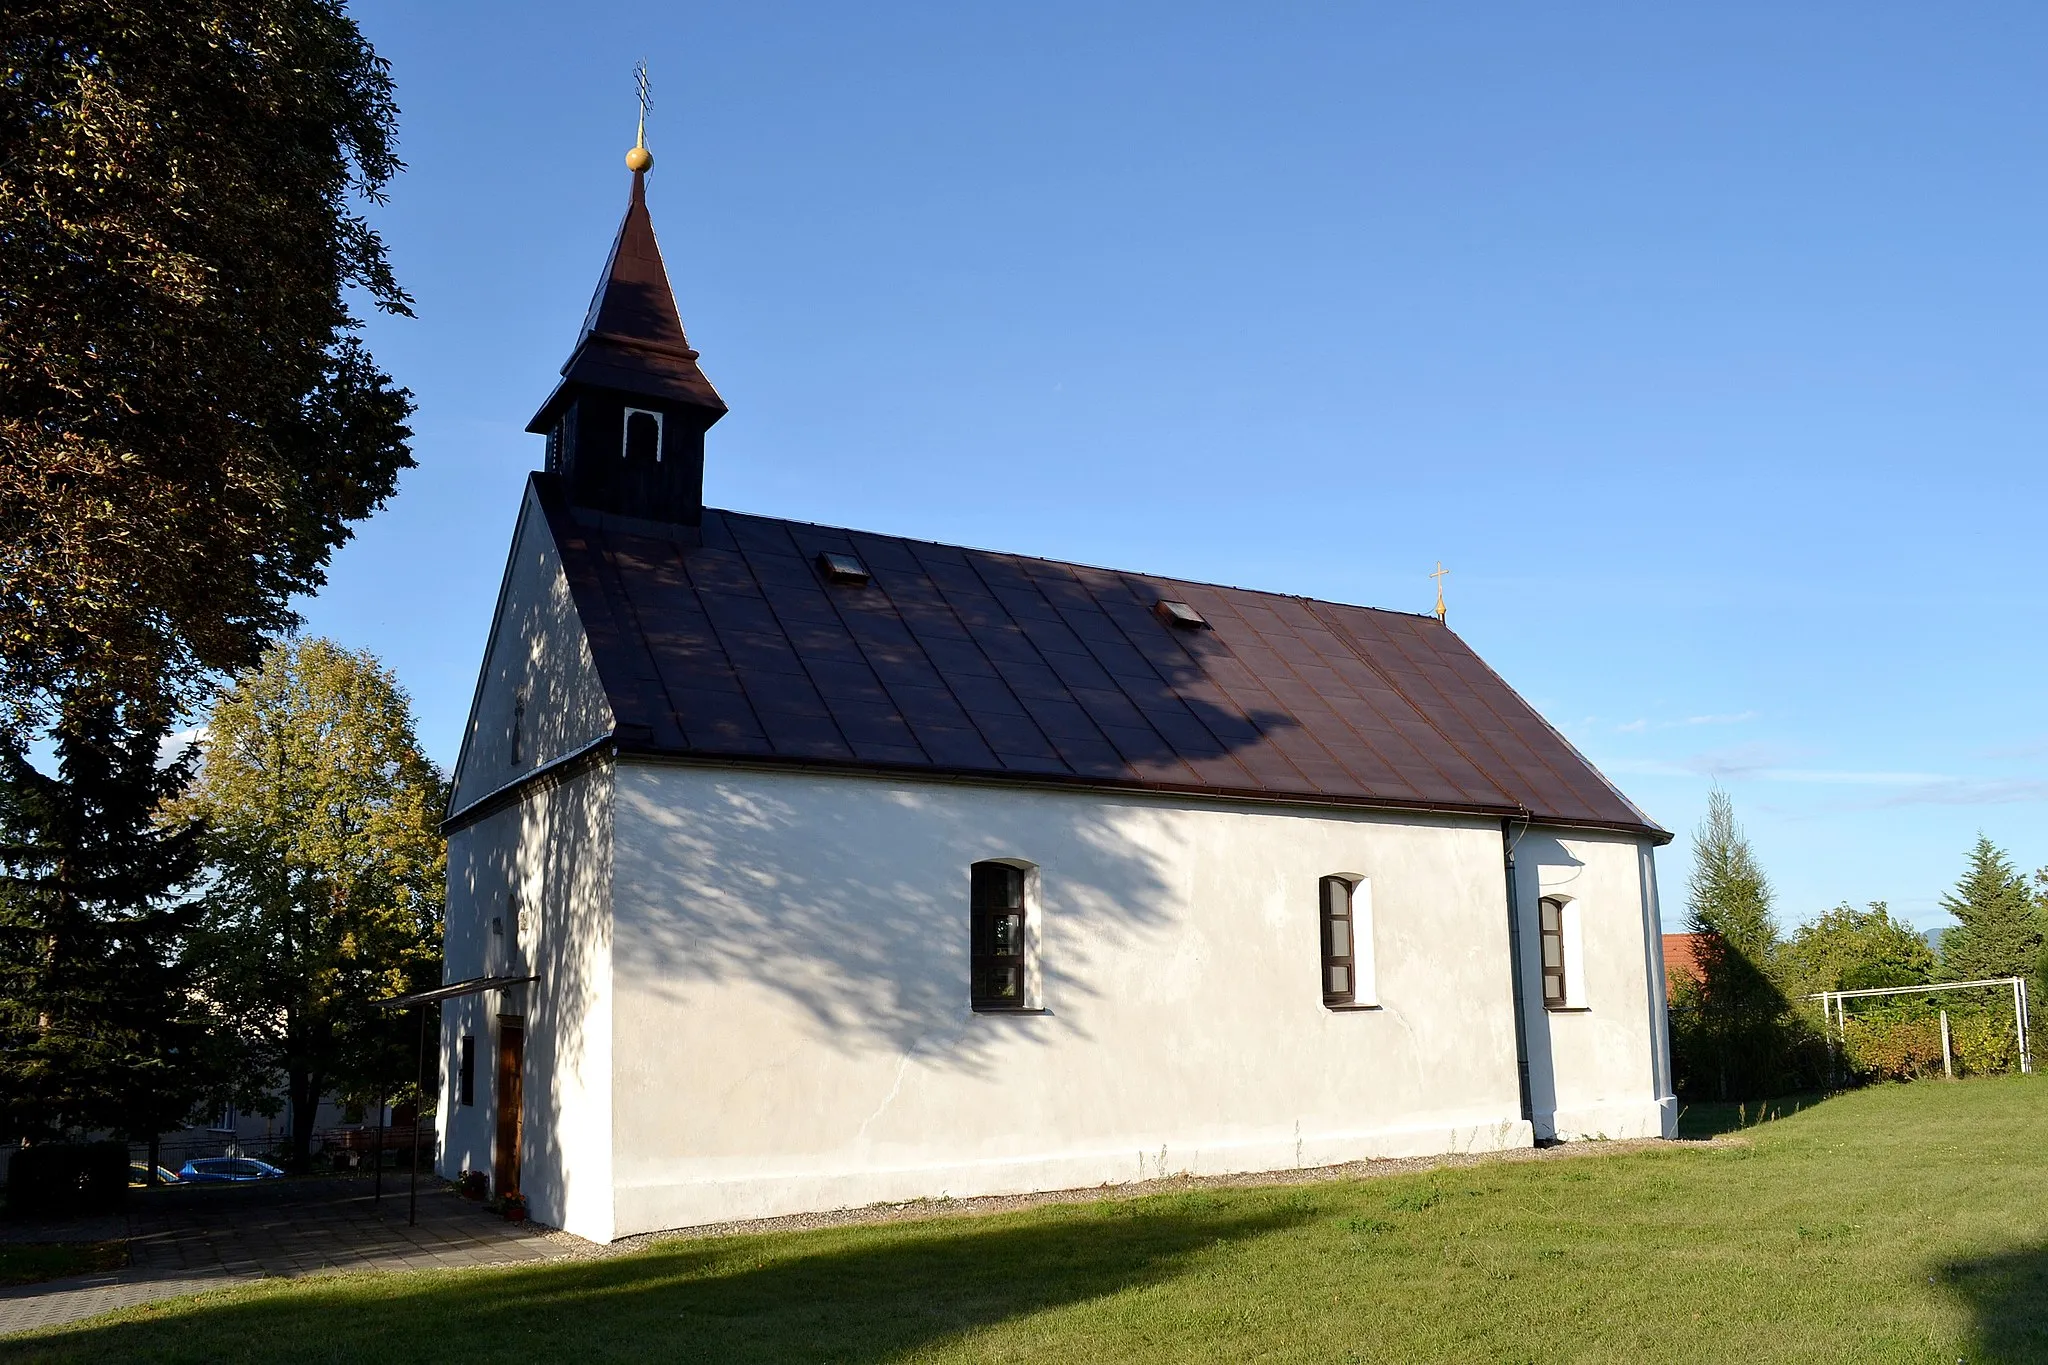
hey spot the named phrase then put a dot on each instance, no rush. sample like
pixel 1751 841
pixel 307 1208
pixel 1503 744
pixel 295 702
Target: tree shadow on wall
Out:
pixel 850 1295
pixel 867 932
pixel 2007 1295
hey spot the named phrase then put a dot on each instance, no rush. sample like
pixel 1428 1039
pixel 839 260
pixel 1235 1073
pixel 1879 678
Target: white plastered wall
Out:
pixel 540 867
pixel 792 1027
pixel 537 648
pixel 1600 1068
pixel 554 847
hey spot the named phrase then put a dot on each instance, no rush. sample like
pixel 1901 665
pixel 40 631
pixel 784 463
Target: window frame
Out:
pixel 1326 919
pixel 1550 934
pixel 984 908
pixel 465 1071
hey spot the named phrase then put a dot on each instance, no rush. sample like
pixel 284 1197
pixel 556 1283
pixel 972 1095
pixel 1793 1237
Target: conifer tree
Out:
pixel 1741 1029
pixel 98 1030
pixel 1998 922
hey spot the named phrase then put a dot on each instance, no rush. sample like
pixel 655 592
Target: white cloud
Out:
pixel 1643 724
pixel 1972 791
pixel 1850 779
pixel 1758 763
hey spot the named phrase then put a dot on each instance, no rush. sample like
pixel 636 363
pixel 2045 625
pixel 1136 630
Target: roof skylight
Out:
pixel 842 568
pixel 1182 615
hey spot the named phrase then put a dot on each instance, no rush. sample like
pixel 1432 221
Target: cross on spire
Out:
pixel 639 159
pixel 646 94
pixel 1440 575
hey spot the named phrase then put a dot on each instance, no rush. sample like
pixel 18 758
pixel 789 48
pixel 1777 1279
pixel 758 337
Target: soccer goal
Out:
pixel 1834 1005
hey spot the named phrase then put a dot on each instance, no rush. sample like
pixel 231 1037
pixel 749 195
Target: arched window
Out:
pixel 643 436
pixel 1557 925
pixel 997 966
pixel 1347 941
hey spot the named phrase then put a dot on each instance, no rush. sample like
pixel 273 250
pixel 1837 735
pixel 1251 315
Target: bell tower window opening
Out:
pixel 643 436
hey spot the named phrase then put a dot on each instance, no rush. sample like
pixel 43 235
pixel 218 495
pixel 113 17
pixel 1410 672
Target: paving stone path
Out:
pixel 189 1241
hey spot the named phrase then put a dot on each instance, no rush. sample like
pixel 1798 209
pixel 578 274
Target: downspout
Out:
pixel 1507 854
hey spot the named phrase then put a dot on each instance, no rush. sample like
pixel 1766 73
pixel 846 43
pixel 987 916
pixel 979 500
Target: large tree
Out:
pixel 1741 1032
pixel 328 863
pixel 1998 929
pixel 98 1027
pixel 1849 949
pixel 188 422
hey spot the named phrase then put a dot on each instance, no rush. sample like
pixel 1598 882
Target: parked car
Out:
pixel 138 1174
pixel 215 1169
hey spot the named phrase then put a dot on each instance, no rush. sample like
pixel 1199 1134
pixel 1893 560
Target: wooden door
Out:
pixel 511 1072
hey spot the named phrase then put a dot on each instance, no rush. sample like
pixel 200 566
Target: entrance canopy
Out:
pixel 474 986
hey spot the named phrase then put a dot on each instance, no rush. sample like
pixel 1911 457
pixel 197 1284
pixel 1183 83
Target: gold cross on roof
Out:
pixel 1440 575
pixel 639 158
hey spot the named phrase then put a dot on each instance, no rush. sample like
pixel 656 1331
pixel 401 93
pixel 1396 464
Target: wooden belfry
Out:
pixel 626 425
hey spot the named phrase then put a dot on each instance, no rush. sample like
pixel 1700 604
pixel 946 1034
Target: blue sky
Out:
pixel 1704 347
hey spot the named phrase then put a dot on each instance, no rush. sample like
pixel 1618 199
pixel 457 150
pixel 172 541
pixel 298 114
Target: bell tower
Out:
pixel 625 427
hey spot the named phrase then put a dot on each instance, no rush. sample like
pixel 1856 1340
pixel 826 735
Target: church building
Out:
pixel 797 867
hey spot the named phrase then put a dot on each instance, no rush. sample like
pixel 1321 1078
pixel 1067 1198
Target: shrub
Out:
pixel 1984 1043
pixel 1894 1049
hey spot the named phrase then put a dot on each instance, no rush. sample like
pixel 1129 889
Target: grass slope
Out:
pixel 34 1262
pixel 1908 1223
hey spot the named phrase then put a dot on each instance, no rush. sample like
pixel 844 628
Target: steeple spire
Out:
pixel 631 356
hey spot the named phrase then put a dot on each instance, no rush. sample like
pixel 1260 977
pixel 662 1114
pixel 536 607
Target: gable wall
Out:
pixel 792 1027
pixel 541 868
pixel 537 645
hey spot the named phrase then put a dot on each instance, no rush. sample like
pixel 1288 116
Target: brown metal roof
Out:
pixel 966 663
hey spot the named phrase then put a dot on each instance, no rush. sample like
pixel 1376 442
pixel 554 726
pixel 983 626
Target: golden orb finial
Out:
pixel 639 159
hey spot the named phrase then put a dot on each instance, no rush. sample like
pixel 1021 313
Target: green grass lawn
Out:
pixel 1907 1223
pixel 34 1262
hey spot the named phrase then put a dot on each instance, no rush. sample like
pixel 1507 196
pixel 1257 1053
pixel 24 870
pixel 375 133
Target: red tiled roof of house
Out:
pixel 1681 953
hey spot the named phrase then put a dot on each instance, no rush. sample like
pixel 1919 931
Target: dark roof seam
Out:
pixel 1420 667
pixel 874 585
pixel 738 677
pixel 1559 735
pixel 611 586
pixel 1250 716
pixel 1343 720
pixel 944 677
pixel 1193 664
pixel 824 697
pixel 1072 564
pixel 1343 638
pixel 1165 682
pixel 1038 653
pixel 1457 708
